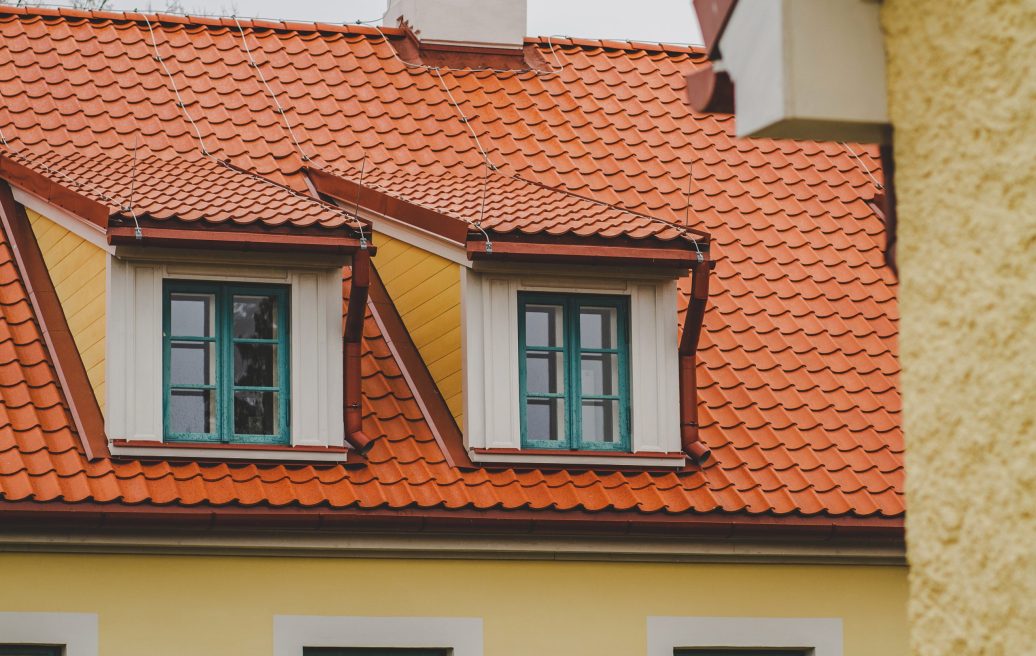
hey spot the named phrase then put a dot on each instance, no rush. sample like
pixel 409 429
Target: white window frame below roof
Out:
pixel 814 636
pixel 489 344
pixel 458 636
pixel 76 632
pixel 133 359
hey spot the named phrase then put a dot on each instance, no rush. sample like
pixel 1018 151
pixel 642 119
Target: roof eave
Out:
pixel 677 254
pixel 257 240
pixel 718 525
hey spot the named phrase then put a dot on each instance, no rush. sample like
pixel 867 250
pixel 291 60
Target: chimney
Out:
pixel 488 26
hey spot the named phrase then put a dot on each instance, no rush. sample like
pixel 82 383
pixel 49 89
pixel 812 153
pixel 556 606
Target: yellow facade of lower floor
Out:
pixel 164 605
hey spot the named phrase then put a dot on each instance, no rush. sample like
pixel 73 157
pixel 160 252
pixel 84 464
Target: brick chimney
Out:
pixel 462 25
pixel 464 33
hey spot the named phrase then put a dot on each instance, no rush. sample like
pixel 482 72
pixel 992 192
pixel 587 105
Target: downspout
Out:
pixel 353 335
pixel 690 437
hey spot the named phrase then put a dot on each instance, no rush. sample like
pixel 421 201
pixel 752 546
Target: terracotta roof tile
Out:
pixel 797 368
pixel 182 190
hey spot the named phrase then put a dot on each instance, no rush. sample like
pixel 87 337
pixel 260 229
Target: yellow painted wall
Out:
pixel 77 269
pixel 962 97
pixel 426 290
pixel 176 605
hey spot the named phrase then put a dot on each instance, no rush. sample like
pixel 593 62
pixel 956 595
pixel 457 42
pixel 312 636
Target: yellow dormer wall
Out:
pixel 77 270
pixel 425 289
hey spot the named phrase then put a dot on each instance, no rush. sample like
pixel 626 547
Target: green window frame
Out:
pixel 739 652
pixel 31 650
pixel 573 358
pixel 222 351
pixel 369 651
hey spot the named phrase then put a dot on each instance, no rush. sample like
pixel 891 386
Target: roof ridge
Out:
pixel 619 44
pixel 208 20
pixel 56 10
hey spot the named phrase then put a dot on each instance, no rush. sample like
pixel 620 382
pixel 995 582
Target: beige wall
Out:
pixel 177 605
pixel 962 93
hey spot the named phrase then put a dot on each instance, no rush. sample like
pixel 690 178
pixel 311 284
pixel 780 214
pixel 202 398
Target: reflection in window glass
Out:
pixel 255 317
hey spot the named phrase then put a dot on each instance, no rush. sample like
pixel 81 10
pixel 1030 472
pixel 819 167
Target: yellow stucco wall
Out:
pixel 426 290
pixel 77 269
pixel 962 96
pixel 176 605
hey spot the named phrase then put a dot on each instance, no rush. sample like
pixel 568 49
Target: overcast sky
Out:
pixel 669 21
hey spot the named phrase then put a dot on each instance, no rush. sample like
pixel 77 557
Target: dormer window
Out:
pixel 574 371
pixel 549 325
pixel 226 353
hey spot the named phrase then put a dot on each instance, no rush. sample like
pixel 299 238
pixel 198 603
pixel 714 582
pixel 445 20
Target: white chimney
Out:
pixel 466 23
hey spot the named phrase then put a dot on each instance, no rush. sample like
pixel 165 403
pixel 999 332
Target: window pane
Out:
pixel 191 411
pixel 545 419
pixel 255 317
pixel 543 325
pixel 600 374
pixel 191 315
pixel 255 413
pixel 601 421
pixel 191 363
pixel 255 365
pixel 598 327
pixel 544 372
pixel 30 650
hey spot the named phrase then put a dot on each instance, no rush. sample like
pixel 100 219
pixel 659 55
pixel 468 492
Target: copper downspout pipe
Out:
pixel 353 334
pixel 690 437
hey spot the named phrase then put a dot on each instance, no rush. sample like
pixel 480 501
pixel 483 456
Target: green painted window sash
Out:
pixel 30 650
pixel 739 652
pixel 224 354
pixel 571 354
pixel 369 651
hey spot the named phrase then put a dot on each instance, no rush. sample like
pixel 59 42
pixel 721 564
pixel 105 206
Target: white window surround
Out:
pixel 134 347
pixel 489 310
pixel 459 636
pixel 815 636
pixel 76 632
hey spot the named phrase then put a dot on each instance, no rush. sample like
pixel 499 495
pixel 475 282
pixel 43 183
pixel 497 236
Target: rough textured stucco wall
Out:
pixel 962 96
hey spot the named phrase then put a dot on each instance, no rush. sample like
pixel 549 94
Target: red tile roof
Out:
pixel 797 365
pixel 181 190
pixel 513 204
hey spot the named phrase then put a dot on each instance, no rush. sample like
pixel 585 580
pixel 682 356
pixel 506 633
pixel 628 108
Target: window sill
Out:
pixel 211 451
pixel 579 459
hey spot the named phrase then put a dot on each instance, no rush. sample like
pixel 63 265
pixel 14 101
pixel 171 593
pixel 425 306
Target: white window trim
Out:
pixel 76 632
pixel 460 636
pixel 489 309
pixel 815 636
pixel 134 346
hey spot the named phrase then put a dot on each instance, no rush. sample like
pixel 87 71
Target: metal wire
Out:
pixel 356 210
pixel 354 221
pixel 863 165
pixel 269 89
pixel 172 81
pixel 137 233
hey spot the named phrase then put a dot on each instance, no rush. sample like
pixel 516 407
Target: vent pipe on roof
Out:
pixel 462 24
